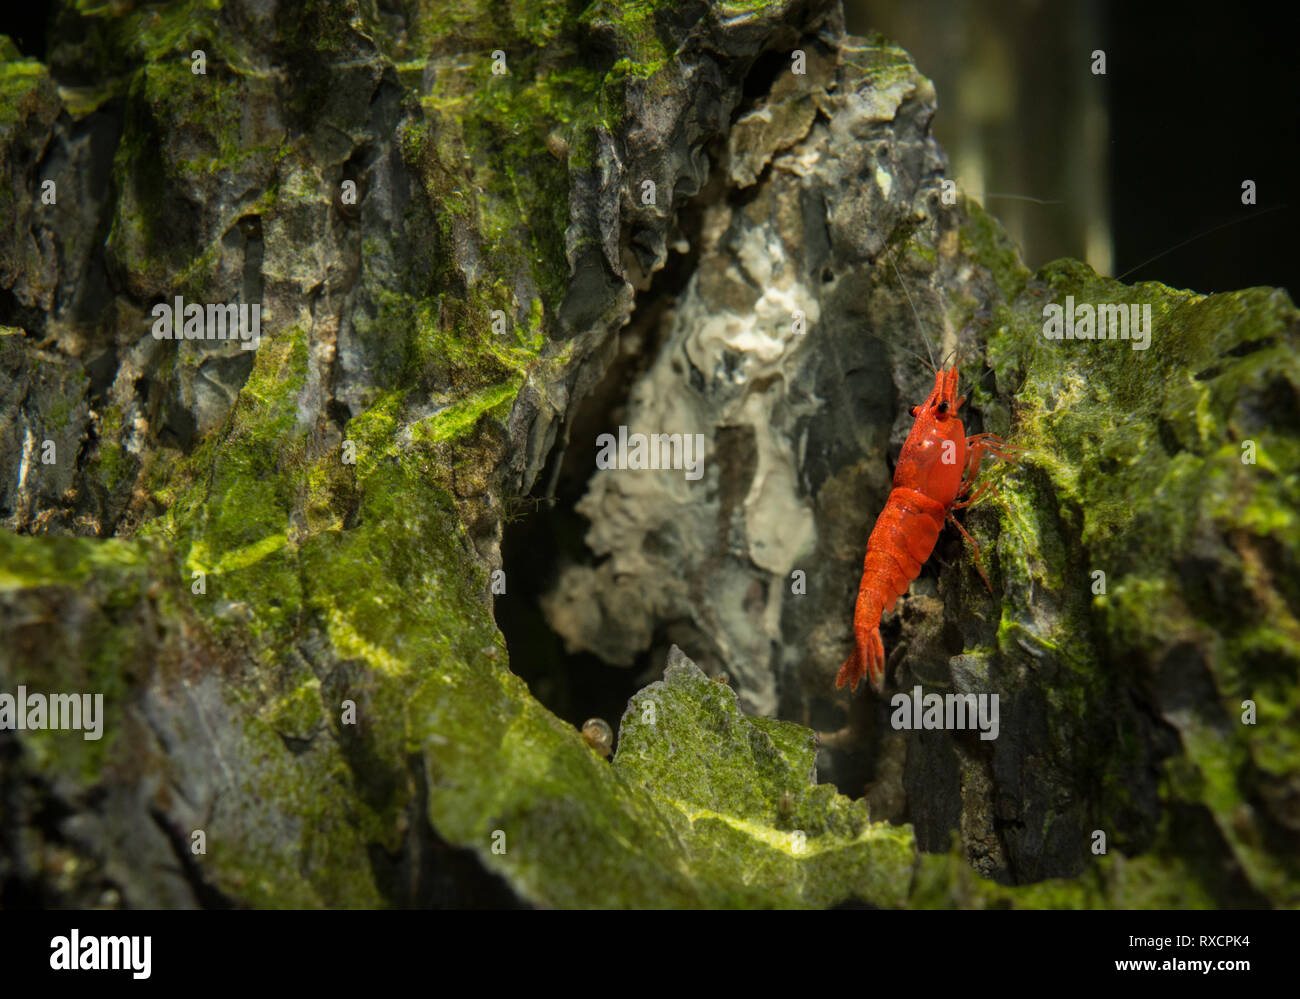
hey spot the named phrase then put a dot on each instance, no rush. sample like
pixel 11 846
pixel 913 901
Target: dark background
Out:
pixel 1195 99
pixel 1199 103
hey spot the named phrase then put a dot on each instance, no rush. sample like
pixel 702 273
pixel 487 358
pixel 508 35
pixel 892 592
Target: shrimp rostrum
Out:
pixel 936 474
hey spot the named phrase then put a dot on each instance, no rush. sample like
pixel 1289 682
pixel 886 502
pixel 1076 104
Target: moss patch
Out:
pixel 1137 466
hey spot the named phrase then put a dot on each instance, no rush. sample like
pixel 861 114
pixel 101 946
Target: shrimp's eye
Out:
pixel 913 410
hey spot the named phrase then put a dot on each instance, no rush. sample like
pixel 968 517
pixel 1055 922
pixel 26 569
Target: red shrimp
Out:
pixel 938 464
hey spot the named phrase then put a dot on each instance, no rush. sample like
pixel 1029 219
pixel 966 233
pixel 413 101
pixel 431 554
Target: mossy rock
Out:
pixel 294 627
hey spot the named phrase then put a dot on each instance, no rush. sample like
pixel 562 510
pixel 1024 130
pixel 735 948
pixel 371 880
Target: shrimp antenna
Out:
pixel 919 325
pixel 1021 197
pixel 1193 239
pixel 908 350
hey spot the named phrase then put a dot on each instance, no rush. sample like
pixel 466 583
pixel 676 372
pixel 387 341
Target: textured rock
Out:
pixel 791 418
pixel 277 565
pixel 741 796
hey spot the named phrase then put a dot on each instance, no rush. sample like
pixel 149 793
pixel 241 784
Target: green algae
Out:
pixel 111 463
pixel 23 82
pixel 982 238
pixel 505 122
pixel 456 420
pixel 702 806
pixel 292 539
pixel 99 585
pixel 1134 466
pixel 944 881
pixel 118 35
pixel 227 508
pixel 576 831
pixel 58 561
pixel 741 795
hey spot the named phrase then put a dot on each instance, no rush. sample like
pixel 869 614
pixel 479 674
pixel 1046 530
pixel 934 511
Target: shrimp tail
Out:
pixel 866 659
pixel 851 672
pixel 868 655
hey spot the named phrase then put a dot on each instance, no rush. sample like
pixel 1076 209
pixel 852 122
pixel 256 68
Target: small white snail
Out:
pixel 598 735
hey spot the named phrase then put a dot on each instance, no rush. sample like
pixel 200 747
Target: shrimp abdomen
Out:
pixel 904 536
